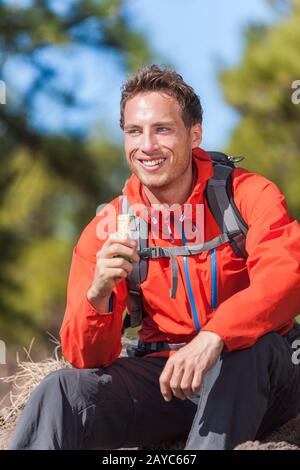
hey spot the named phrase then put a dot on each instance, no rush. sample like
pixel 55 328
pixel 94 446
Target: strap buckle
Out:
pixel 233 159
pixel 135 293
pixel 233 234
pixel 153 252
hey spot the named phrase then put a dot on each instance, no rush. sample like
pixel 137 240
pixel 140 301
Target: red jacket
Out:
pixel 254 296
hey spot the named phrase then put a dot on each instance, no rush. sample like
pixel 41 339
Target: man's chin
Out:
pixel 150 184
pixel 150 181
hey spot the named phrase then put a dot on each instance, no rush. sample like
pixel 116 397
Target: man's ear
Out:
pixel 196 134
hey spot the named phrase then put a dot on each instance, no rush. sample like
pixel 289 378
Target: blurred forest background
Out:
pixel 52 181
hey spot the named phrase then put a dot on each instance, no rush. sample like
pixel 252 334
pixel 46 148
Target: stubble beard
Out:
pixel 155 182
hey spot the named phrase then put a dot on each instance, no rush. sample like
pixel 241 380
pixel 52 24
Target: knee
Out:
pixel 270 347
pixel 55 384
pixel 59 378
pixel 268 339
pixel 262 347
pixel 255 358
pixel 79 387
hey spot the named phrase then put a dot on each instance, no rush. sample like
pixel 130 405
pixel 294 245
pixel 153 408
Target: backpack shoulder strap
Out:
pixel 221 203
pixel 139 270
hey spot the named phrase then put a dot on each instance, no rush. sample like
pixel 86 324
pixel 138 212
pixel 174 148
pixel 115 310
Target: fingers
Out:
pixel 185 385
pixel 124 247
pixel 108 273
pixel 120 265
pixel 164 381
pixel 181 379
pixel 197 380
pixel 116 273
pixel 175 382
pixel 113 264
pixel 123 239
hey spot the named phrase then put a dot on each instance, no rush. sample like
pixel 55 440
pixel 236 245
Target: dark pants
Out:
pixel 247 394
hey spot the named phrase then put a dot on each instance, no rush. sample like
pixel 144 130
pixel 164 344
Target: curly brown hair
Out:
pixel 154 78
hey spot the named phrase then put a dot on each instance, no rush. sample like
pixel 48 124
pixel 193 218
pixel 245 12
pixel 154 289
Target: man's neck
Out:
pixel 175 194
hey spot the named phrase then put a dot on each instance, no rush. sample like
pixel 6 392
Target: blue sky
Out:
pixel 201 37
pixel 198 37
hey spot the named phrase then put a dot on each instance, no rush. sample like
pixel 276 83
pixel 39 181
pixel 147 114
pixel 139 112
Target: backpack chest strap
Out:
pixel 155 252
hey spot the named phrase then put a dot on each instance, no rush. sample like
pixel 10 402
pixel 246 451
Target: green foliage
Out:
pixel 51 184
pixel 260 89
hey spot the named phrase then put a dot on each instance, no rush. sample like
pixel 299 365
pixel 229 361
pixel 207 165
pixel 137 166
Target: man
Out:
pixel 226 374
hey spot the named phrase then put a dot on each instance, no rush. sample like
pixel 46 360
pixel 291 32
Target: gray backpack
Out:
pixel 233 228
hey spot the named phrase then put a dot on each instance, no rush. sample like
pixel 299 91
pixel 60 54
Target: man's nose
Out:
pixel 148 143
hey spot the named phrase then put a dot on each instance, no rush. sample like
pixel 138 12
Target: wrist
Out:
pixel 100 303
pixel 213 338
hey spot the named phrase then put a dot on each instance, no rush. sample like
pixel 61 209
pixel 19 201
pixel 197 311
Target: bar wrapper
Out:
pixel 124 221
pixel 123 227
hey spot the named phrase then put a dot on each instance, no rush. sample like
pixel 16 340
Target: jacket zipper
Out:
pixel 214 284
pixel 189 287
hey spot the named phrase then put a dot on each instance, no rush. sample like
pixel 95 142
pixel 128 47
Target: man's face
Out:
pixel 158 146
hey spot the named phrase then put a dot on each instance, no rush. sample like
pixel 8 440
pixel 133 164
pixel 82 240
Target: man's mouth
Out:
pixel 153 164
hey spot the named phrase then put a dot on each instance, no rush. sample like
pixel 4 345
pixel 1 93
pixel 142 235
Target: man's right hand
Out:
pixel 111 268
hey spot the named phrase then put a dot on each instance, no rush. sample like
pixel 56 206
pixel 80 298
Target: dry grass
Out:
pixel 28 375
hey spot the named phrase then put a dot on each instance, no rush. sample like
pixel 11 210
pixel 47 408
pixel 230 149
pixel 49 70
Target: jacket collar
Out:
pixel 133 188
pixel 134 191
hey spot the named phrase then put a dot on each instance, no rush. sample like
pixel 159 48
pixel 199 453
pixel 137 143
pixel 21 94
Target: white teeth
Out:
pixel 153 162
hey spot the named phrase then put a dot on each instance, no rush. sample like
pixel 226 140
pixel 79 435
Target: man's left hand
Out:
pixel 184 371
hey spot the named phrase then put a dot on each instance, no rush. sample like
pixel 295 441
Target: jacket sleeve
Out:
pixel 90 339
pixel 272 299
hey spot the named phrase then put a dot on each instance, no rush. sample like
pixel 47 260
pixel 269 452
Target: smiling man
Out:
pixel 213 361
pixel 159 144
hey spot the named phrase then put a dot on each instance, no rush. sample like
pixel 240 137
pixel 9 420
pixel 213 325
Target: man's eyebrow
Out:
pixel 158 123
pixel 164 123
pixel 130 125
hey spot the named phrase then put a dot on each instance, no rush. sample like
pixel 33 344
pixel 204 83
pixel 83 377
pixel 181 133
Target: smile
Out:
pixel 151 165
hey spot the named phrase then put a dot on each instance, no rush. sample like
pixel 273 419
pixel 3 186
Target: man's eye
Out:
pixel 134 132
pixel 162 129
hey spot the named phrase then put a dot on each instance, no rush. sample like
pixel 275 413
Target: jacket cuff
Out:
pixel 228 343
pixel 110 306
